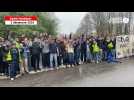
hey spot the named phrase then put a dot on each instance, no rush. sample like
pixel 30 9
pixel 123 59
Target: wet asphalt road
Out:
pixel 88 75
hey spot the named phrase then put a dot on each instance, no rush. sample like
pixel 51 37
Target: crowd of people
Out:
pixel 26 55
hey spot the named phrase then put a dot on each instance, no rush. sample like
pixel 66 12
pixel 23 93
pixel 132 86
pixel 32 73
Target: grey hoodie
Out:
pixel 45 47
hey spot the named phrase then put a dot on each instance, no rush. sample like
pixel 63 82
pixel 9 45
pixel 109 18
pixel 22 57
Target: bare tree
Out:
pixel 100 21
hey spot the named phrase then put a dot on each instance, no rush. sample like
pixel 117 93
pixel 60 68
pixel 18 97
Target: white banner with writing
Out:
pixel 123 46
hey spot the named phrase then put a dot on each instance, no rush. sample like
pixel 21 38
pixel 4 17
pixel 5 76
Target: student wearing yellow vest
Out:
pixel 23 68
pixel 18 46
pixel 96 51
pixel 112 52
pixel 12 57
pixel 110 47
pixel 7 58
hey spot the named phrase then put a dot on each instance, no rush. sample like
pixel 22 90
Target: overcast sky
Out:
pixel 69 21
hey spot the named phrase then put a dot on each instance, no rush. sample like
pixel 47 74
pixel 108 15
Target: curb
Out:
pixel 32 72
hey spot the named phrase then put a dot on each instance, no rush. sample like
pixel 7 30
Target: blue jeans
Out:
pixel 114 53
pixel 100 55
pixel 17 67
pixel 96 56
pixel 105 55
pixel 76 57
pixel 53 57
pixel 89 56
pixel 110 56
pixel 71 58
pixel 29 61
pixel 6 65
pixel 83 55
pixel 12 69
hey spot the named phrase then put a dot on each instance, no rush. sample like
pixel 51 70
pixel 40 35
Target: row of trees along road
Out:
pixel 99 22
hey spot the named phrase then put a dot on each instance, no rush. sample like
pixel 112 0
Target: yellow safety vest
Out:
pixel 110 45
pixel 17 45
pixel 96 48
pixel 9 56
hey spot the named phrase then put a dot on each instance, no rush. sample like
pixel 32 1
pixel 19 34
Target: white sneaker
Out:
pixel 51 69
pixel 72 65
pixel 2 74
pixel 46 69
pixel 42 70
pixel 60 66
pixel 57 68
pixel 19 75
pixel 31 72
pixel 97 62
pixel 12 79
pixel 69 66
pixel 38 71
pixel 63 66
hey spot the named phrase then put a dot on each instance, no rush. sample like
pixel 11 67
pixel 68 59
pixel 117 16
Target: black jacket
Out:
pixel 1 54
pixel 35 49
pixel 76 47
pixel 84 46
pixel 15 54
pixel 114 43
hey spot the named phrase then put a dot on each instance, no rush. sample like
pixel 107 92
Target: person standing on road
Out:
pixel 35 51
pixel 2 67
pixel 76 46
pixel 62 53
pixel 83 50
pixel 96 51
pixel 110 48
pixel 53 48
pixel 12 57
pixel 70 50
pixel 114 47
pixel 100 44
pixel 59 56
pixel 28 42
pixel 19 47
pixel 65 58
pixel 89 53
pixel 45 53
pixel 25 57
pixel 91 49
pixel 104 49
